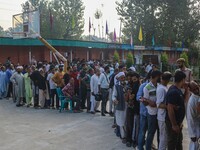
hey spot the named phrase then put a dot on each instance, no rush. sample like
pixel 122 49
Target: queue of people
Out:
pixel 141 107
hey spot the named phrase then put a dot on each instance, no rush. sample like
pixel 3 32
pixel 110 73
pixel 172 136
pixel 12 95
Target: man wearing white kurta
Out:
pixel 118 98
pixel 161 91
pixel 94 90
pixel 193 117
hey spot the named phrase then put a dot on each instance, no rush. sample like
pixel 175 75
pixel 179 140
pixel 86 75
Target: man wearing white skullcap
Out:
pixel 18 82
pixel 118 98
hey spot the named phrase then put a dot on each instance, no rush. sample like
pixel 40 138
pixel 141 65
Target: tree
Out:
pixel 193 55
pixel 164 60
pixel 59 19
pixel 169 21
pixel 116 57
pixel 129 60
pixel 185 56
pixel 1 32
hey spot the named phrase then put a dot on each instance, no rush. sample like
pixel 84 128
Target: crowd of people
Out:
pixel 141 106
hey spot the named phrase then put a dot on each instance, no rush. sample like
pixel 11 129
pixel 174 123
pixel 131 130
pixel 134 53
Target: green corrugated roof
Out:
pixel 70 43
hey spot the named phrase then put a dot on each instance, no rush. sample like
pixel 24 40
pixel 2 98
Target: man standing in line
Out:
pixel 161 105
pixel 52 85
pixel 143 114
pixel 10 70
pixel 119 98
pixel 104 89
pixel 18 81
pixel 3 82
pixel 175 112
pixel 150 100
pixel 193 116
pixel 94 90
pixel 28 87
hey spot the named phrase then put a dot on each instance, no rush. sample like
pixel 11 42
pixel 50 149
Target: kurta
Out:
pixel 18 80
pixel 193 120
pixel 3 84
pixel 94 88
pixel 28 88
pixel 120 114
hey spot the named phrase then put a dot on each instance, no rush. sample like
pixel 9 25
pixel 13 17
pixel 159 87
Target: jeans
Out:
pixel 142 131
pixel 88 100
pixel 83 96
pixel 129 124
pixel 174 139
pixel 105 94
pixel 53 93
pixel 152 127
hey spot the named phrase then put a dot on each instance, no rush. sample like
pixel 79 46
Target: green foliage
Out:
pixel 116 57
pixel 129 60
pixel 164 60
pixel 68 21
pixel 185 56
pixel 1 31
pixel 170 21
pixel 193 56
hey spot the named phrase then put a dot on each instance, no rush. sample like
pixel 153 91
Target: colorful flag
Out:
pixel 153 41
pixel 114 36
pixel 140 37
pixel 90 26
pixel 51 20
pixel 131 41
pixel 73 22
pixel 106 27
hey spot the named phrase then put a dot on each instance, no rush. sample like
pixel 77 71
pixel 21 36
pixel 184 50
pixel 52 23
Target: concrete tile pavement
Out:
pixel 38 129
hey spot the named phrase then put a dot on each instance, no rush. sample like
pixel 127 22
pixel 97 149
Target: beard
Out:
pixel 180 66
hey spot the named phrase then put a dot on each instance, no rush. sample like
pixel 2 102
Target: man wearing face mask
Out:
pixel 193 116
pixel 104 88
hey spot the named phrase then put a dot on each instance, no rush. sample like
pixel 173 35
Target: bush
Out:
pixel 116 57
pixel 164 60
pixel 129 60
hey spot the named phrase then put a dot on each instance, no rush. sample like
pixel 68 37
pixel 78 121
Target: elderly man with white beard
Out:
pixel 119 99
pixel 18 81
pixel 193 116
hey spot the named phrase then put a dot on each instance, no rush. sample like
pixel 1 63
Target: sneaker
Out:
pixel 102 114
pixel 124 140
pixel 19 105
pixel 114 126
pixel 106 112
pixel 111 114
pixel 97 111
pixel 153 147
pixel 128 144
pixel 77 111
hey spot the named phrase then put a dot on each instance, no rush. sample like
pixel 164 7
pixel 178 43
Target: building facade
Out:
pixel 23 50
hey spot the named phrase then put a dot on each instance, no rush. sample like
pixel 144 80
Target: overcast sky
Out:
pixel 9 8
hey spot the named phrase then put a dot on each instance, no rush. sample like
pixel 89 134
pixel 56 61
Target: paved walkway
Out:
pixel 30 129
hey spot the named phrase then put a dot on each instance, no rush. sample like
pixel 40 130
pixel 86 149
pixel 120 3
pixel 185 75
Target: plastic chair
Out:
pixel 63 100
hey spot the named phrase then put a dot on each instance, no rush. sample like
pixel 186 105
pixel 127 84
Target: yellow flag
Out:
pixel 140 37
